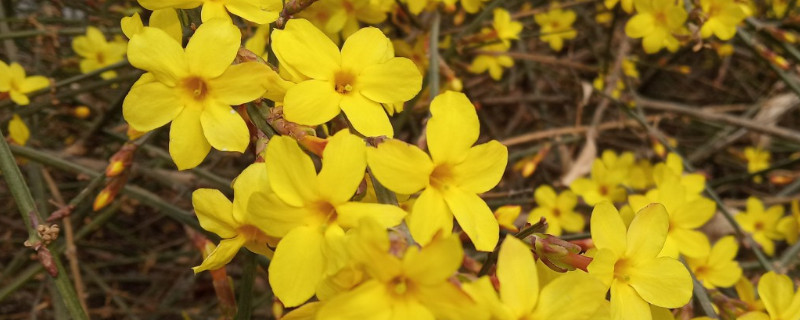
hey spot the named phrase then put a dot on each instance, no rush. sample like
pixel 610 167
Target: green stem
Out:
pixel 245 298
pixel 64 31
pixel 27 208
pixel 433 64
pixel 701 295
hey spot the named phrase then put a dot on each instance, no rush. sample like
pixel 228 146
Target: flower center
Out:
pixel 400 285
pixel 196 87
pixel 101 59
pixel 556 212
pixel 759 226
pixel 252 234
pixel 622 270
pixel 327 212
pixel 344 81
pixel 441 176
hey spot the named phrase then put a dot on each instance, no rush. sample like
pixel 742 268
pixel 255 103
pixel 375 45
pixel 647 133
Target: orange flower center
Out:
pixel 400 285
pixel 195 87
pixel 441 176
pixel 344 81
pixel 622 270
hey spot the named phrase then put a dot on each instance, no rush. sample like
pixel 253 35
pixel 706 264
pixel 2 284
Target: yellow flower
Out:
pixel 97 52
pixel 164 19
pixel 627 5
pixel 789 226
pixel 231 221
pixel 573 296
pixel 780 299
pixel 719 268
pixel 14 81
pixel 747 294
pixel 641 175
pixel 414 286
pixel 493 61
pixel 505 28
pixel 356 80
pixel 18 131
pixel 256 11
pixel 556 26
pixel 655 22
pixel 311 211
pixel 762 224
pixel 418 53
pixel 722 17
pixel 694 183
pixel 629 68
pixel 194 88
pixel 450 178
pixel 684 216
pixel 258 42
pixel 605 185
pixel 343 16
pixel 627 261
pixel 757 160
pixel 559 210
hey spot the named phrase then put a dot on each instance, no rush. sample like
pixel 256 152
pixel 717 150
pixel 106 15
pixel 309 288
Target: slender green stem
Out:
pixel 27 208
pixel 245 299
pixel 39 32
pixel 701 295
pixel 433 64
pixel 785 76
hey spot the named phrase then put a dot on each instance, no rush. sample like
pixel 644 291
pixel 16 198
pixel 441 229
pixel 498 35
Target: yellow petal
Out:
pixel 370 300
pixel 306 49
pixel 18 131
pixel 240 83
pixel 640 25
pixel 429 216
pixel 5 77
pixel 273 216
pixel 545 196
pixel 351 213
pixel 311 102
pixel 214 212
pixel 689 242
pixel 297 266
pixel 776 291
pixel 400 167
pixel 447 301
pixel 130 26
pixel 395 80
pixel 256 11
pixel 626 304
pixel 187 143
pixel 451 112
pixel 19 98
pixel 435 262
pixel 213 10
pixel 153 50
pixel 694 214
pixel 177 4
pixel 368 46
pixel 482 168
pixel 167 20
pixel 366 116
pixel 602 266
pixel 151 105
pixel 222 254
pixel 519 282
pixel 34 83
pixel 291 172
pixel 647 232
pixel 212 48
pixel 664 282
pixel 608 230
pixel 573 296
pixel 474 217
pixel 224 127
pixel 724 250
pixel 343 164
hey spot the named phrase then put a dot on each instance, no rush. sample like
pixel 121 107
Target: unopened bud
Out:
pixel 81 112
pixel 559 255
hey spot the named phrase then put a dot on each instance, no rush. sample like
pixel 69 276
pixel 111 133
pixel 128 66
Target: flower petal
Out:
pixel 602 266
pixel 368 46
pixel 647 232
pixel 776 292
pixel 151 105
pixel 545 196
pixel 222 254
pixel 224 127
pixel 291 173
pixel 399 166
pixel 297 266
pixel 562 299
pixel 350 213
pixel 177 4
pixel 311 102
pixel 366 116
pixel 370 300
pixel 482 168
pixel 626 304
pixel 607 229
pixel 153 50
pixel 519 282
pixel 430 216
pixel 664 282
pixel 474 217
pixel 214 212
pixel 395 80
pixel 33 83
pixel 689 242
pixel 259 11
pixel 187 143
pixel 273 216
pixel 451 112
pixel 240 83
pixel 435 262
pixel 306 49
pixel 212 48
pixel 343 164
pixel 167 20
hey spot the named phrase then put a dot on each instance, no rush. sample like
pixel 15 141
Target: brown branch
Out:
pixel 290 9
pixel 539 135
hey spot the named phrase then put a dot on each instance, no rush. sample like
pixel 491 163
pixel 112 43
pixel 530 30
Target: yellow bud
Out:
pixel 82 112
pixel 103 199
pixel 115 168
